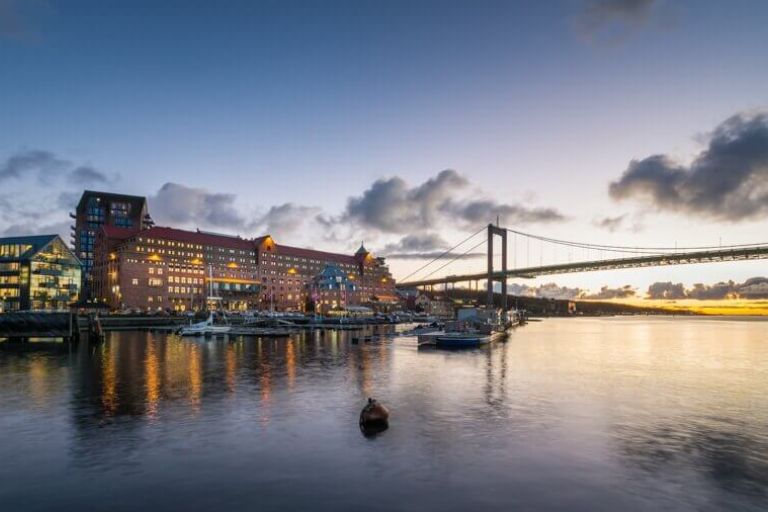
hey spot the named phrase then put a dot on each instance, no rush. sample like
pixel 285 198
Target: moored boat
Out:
pixel 204 328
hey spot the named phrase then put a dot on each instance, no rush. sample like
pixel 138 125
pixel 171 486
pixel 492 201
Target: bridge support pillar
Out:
pixel 492 278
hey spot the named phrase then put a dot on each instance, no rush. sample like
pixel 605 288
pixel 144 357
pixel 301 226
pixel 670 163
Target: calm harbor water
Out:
pixel 569 414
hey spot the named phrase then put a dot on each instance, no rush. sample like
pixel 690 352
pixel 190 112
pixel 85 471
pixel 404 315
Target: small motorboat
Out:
pixel 204 328
pixel 462 339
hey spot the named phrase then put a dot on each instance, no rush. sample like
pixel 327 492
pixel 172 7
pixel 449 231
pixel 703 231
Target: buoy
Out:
pixel 374 418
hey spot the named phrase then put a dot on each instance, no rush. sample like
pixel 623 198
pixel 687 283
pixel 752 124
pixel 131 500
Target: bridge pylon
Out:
pixel 497 231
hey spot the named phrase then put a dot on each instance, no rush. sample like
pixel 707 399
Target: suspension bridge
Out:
pixel 596 257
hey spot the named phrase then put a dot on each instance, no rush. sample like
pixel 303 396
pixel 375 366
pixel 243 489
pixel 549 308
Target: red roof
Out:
pixel 197 237
pixel 119 233
pixel 212 239
pixel 311 253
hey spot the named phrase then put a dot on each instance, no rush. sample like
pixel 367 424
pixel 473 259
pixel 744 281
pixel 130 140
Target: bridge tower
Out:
pixel 492 231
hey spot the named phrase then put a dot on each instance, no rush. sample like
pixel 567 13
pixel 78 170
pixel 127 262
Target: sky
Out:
pixel 407 125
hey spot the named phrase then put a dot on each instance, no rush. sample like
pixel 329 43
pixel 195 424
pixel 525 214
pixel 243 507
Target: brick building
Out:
pixel 166 268
pixel 97 209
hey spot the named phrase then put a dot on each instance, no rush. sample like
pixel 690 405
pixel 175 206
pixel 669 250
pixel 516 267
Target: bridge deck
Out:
pixel 655 260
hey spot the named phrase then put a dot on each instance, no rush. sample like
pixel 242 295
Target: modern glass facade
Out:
pixel 38 273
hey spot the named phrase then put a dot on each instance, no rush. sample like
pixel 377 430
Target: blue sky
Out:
pixel 286 110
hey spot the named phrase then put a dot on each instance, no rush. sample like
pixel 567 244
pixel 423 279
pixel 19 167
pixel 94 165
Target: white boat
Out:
pixel 205 328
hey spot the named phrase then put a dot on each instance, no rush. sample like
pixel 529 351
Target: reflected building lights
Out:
pixel 195 377
pixel 290 363
pixel 109 379
pixel 230 368
pixel 152 376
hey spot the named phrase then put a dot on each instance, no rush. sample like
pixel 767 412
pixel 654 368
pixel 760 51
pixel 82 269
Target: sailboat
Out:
pixel 204 328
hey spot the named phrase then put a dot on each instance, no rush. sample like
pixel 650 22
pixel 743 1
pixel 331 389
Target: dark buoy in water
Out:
pixel 374 418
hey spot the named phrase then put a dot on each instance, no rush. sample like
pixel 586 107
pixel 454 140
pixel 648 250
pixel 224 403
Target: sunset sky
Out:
pixel 408 125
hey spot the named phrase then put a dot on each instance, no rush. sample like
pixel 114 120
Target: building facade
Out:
pixel 288 274
pixel 438 306
pixel 38 273
pixel 98 209
pixel 166 268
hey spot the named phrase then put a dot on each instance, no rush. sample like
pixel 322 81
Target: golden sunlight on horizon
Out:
pixel 731 307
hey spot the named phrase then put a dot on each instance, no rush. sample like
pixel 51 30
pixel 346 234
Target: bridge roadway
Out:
pixel 653 260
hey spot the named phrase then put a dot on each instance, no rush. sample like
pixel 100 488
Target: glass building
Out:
pixel 38 273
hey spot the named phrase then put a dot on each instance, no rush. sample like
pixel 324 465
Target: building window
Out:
pixel 134 281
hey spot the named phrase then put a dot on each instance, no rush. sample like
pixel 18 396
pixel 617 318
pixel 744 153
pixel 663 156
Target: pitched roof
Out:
pixel 38 242
pixel 197 237
pixel 311 253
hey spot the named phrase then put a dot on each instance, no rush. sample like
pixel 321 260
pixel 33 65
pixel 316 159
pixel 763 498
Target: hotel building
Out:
pixel 97 209
pixel 166 268
pixel 37 273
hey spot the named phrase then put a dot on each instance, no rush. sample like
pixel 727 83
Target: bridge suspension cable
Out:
pixel 448 251
pixel 629 249
pixel 454 259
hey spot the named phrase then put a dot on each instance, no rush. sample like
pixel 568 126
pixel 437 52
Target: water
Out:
pixel 570 414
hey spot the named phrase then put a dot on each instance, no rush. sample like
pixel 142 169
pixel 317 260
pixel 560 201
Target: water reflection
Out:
pixel 729 454
pixel 611 414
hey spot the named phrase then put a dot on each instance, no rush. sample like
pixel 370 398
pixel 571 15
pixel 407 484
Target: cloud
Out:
pixel 423 246
pixel 47 168
pixel 726 181
pixel 392 206
pixel 416 243
pixel 473 213
pixel 35 163
pixel 610 223
pixel 607 293
pixel 179 204
pixel 546 291
pixel 712 292
pixel 86 176
pixel 35 228
pixel 753 288
pixel 611 21
pixel 666 290
pixel 286 219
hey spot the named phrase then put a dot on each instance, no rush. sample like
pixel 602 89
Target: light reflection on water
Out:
pixel 570 414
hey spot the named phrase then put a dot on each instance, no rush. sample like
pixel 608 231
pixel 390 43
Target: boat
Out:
pixel 422 329
pixel 204 328
pixel 472 328
pixel 462 339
